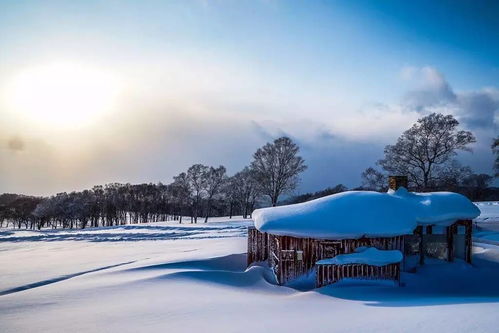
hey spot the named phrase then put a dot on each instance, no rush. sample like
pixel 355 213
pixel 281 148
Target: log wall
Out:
pixel 257 246
pixel 290 257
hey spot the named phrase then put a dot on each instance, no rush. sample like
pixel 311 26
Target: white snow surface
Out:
pixel 489 211
pixel 365 255
pixel 165 277
pixel 355 214
pixel 487 224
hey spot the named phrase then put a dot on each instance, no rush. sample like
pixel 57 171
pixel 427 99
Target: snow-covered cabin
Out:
pixel 294 238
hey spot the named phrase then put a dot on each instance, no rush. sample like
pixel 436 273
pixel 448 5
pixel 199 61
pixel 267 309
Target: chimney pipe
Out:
pixel 394 182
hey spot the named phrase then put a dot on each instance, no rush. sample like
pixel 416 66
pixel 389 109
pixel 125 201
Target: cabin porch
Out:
pixel 445 243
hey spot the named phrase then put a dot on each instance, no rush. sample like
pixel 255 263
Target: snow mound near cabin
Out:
pixel 367 256
pixel 355 214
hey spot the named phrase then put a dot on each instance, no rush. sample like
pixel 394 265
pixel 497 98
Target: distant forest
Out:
pixel 425 153
pixel 198 193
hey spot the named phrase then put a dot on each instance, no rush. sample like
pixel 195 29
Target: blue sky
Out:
pixel 334 75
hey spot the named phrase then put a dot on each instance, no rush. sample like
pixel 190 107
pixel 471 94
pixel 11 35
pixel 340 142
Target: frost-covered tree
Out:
pixel 214 181
pixel 181 193
pixel 197 181
pixel 246 190
pixel 425 148
pixel 230 194
pixel 277 166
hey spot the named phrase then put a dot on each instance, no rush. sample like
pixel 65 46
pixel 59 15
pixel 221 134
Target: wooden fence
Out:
pixel 328 274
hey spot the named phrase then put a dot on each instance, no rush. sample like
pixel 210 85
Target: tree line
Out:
pixel 199 192
pixel 426 153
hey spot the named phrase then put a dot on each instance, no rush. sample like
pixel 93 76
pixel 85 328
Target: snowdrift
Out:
pixel 357 214
pixel 367 256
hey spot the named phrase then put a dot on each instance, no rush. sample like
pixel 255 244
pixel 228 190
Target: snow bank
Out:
pixel 489 211
pixel 367 256
pixel 355 214
pixel 439 208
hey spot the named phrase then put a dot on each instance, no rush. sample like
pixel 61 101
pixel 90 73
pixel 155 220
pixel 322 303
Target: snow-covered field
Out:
pixel 487 224
pixel 489 211
pixel 165 277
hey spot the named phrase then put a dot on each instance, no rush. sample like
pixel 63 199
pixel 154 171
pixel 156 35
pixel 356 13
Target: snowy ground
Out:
pixel 487 224
pixel 182 278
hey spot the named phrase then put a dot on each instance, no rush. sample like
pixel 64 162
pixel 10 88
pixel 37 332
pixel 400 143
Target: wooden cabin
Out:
pixel 291 256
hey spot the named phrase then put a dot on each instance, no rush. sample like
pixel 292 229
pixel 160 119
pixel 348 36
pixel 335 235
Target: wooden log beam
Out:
pixel 419 232
pixel 468 241
pixel 429 229
pixel 450 242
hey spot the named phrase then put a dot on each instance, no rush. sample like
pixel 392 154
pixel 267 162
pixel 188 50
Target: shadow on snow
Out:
pixel 437 283
pixel 127 233
pixel 232 263
pixel 434 284
pixel 57 279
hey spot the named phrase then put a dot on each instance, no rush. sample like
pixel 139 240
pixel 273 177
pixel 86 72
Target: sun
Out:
pixel 62 94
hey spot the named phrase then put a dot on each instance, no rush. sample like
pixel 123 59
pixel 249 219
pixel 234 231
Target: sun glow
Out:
pixel 63 95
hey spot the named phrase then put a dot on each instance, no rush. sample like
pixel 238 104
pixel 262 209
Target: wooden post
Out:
pixel 318 276
pixel 419 232
pixel 450 243
pixel 468 241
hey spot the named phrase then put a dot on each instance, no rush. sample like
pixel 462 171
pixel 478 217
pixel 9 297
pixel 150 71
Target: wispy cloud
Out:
pixel 477 109
pixel 15 143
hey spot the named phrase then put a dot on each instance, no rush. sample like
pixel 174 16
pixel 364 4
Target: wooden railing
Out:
pixel 328 274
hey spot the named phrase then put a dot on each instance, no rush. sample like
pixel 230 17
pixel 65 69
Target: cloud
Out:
pixel 432 93
pixel 331 159
pixel 479 109
pixel 15 144
pixel 215 114
pixel 430 88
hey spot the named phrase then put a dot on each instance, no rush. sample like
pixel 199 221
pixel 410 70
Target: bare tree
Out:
pixel 428 144
pixel 476 185
pixel 451 176
pixel 181 193
pixel 197 181
pixel 374 180
pixel 495 150
pixel 214 180
pixel 246 190
pixel 277 166
pixel 230 193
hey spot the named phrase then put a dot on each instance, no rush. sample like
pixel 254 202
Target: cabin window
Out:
pixel 287 255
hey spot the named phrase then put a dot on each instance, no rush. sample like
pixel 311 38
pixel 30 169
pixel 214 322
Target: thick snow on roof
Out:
pixel 355 214
pixel 365 255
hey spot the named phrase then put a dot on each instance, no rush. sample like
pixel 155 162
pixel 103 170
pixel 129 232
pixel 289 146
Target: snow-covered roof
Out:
pixel 365 255
pixel 355 214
